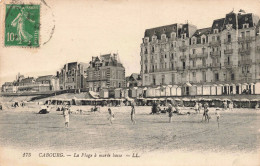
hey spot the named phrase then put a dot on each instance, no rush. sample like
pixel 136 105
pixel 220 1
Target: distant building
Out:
pixel 105 71
pixel 9 87
pixel 72 76
pixel 31 84
pixel 227 53
pixel 134 80
pixel 48 83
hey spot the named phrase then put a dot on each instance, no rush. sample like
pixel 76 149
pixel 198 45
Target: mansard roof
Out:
pixel 158 31
pixel 200 32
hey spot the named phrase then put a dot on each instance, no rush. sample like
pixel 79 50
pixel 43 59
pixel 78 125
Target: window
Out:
pixel 183 65
pixel 247 45
pixel 193 74
pixel 216 77
pixel 232 76
pixel 215 30
pixel 193 51
pixel 243 35
pixel 72 79
pixel 153 49
pixel 247 33
pixel 204 76
pixel 193 63
pixel 213 38
pixel 172 56
pixel 203 40
pixel 172 66
pixel 229 37
pixel 173 35
pixel 203 61
pixel 193 41
pixel 163 79
pixel 165 56
pixel 165 65
pixel 173 78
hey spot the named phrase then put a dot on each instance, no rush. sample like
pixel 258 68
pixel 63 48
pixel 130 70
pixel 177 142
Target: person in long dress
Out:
pixel 170 110
pixel 133 114
pixel 111 115
pixel 66 115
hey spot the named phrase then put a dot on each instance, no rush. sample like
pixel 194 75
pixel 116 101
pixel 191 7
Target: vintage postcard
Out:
pixel 129 82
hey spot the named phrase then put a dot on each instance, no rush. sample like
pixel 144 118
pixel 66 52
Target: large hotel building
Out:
pixel 226 52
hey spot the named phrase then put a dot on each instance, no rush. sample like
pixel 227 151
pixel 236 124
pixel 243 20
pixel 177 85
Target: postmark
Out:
pixel 22 25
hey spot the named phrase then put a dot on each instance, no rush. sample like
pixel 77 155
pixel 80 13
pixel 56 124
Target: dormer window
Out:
pixel 194 40
pixel 163 36
pixel 154 38
pixel 173 35
pixel 215 31
pixel 146 40
pixel 203 40
pixel 245 26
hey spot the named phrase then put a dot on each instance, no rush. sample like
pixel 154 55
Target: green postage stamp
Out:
pixel 22 23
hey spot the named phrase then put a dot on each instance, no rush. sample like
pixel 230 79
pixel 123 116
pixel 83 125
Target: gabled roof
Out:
pixel 200 32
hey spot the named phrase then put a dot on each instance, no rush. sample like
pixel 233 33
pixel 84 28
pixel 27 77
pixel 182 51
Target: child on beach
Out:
pixel 231 106
pixel 218 117
pixel 111 115
pixel 133 114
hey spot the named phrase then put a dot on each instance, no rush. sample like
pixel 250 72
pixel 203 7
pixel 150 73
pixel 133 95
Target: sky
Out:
pixel 89 28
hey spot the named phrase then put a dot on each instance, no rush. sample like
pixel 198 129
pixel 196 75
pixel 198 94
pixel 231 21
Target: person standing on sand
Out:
pixel 196 107
pixel 66 115
pixel 133 114
pixel 170 113
pixel 200 107
pixel 231 106
pixel 205 114
pixel 111 115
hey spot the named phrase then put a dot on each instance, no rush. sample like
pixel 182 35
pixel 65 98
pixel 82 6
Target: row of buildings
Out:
pixel 198 61
pixel 228 52
pixel 104 71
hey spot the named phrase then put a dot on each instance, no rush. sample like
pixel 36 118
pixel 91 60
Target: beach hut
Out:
pixel 206 90
pixel 199 89
pixel 168 90
pixel 133 92
pixel 118 93
pixel 103 93
pixel 213 89
pixel 178 89
pixel 139 92
pixel 158 92
pixel 174 90
pixel 219 89
pixel 257 88
pixel 186 89
pixel 193 90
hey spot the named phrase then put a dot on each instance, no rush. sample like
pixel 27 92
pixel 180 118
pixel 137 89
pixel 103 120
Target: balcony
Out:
pixel 183 48
pixel 247 75
pixel 194 56
pixel 244 51
pixel 228 51
pixel 245 61
pixel 214 43
pixel 215 53
pixel 228 64
pixel 216 65
pixel 246 39
pixel 227 41
pixel 183 57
